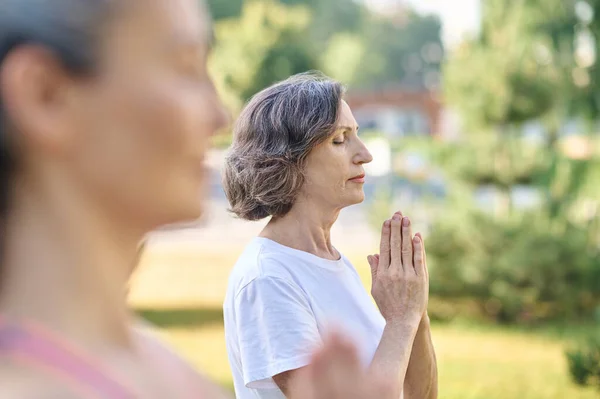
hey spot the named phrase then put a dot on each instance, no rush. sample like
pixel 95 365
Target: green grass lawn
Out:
pixel 180 291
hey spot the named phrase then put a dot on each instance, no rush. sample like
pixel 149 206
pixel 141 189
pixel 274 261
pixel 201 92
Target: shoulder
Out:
pixel 173 364
pixel 269 290
pixel 259 254
pixel 261 264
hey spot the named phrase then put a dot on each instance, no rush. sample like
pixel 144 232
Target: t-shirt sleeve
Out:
pixel 276 328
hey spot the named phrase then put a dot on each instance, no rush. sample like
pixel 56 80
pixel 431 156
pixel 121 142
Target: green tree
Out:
pixel 221 9
pixel 260 46
pixel 386 50
pixel 260 42
pixel 499 78
pixel 410 50
pixel 331 17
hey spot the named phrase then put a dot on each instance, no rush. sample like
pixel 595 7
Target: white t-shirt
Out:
pixel 279 303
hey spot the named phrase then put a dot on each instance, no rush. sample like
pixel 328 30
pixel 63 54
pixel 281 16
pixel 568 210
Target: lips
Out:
pixel 358 179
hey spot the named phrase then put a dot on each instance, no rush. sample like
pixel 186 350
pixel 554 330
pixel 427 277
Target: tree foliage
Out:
pixel 260 42
pixel 506 75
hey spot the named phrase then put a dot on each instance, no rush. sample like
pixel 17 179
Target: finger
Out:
pixel 419 261
pixel 376 257
pixel 384 247
pixel 424 255
pixel 407 245
pixel 373 264
pixel 396 242
pixel 423 244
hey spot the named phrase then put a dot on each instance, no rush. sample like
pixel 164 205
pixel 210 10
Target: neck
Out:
pixel 305 228
pixel 65 266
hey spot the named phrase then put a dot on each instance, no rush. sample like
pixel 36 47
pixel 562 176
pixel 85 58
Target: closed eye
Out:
pixel 339 139
pixel 342 136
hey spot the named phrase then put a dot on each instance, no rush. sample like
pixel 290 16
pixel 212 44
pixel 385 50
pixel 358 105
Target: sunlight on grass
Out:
pixel 181 292
pixel 494 364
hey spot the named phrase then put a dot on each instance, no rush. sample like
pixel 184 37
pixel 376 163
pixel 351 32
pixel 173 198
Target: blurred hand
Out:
pixel 400 280
pixel 336 373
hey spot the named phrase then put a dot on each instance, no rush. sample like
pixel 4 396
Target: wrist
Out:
pixel 404 323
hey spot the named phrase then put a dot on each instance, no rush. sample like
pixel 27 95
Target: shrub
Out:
pixel 516 270
pixel 584 362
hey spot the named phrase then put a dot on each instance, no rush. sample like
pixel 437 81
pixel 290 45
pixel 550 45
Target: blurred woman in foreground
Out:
pixel 106 111
pixel 297 158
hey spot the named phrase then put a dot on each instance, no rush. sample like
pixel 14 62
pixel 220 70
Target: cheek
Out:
pixel 166 125
pixel 327 170
pixel 147 143
pixel 154 118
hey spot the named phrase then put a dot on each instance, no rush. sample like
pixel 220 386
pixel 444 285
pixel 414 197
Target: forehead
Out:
pixel 161 22
pixel 346 117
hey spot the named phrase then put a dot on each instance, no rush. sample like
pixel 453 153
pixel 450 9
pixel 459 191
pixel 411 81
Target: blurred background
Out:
pixel 482 116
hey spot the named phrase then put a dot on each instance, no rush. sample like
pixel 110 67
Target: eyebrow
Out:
pixel 344 127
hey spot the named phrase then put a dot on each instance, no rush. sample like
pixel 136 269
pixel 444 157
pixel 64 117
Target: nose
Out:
pixel 221 118
pixel 362 155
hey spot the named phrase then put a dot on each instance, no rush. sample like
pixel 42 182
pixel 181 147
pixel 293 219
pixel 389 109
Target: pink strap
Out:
pixel 36 349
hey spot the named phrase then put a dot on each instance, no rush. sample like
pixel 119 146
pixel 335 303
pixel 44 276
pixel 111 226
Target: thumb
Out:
pixel 374 264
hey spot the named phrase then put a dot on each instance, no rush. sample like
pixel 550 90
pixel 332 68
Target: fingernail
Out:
pixel 369 258
pixel 416 239
pixel 387 223
pixel 397 217
pixel 405 222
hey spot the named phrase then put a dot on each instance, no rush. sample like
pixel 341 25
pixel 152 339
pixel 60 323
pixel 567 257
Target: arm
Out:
pixel 285 380
pixel 421 380
pixel 335 372
pixel 391 360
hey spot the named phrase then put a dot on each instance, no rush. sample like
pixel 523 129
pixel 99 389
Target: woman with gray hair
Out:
pixel 297 159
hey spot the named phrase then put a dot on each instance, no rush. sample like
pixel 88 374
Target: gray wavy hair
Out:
pixel 278 128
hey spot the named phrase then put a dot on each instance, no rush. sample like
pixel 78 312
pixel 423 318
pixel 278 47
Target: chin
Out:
pixel 193 213
pixel 192 205
pixel 355 200
pixel 360 199
pixel 187 213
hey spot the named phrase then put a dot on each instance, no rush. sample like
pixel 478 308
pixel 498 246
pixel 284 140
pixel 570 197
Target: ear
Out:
pixel 34 90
